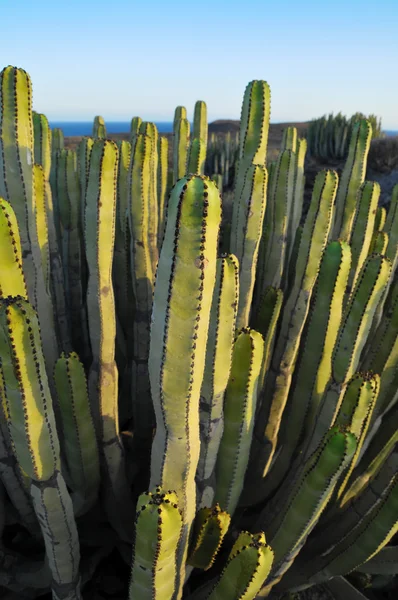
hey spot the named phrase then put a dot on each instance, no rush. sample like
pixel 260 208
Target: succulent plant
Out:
pixel 226 422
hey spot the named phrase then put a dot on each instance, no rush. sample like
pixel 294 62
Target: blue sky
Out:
pixel 122 58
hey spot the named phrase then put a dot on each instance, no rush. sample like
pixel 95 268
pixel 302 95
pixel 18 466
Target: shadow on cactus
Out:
pixel 176 423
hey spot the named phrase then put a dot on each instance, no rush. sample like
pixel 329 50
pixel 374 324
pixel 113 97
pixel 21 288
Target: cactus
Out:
pixel 181 307
pixel 284 431
pixel 158 528
pixel 99 129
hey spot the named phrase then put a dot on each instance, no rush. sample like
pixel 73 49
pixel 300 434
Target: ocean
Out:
pixel 78 128
pixel 391 132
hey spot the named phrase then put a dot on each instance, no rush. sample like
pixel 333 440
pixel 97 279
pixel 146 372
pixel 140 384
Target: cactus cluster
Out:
pixel 224 423
pixel 329 136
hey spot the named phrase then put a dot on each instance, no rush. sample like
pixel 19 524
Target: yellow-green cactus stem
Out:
pixel 391 252
pixel 314 363
pixel 253 138
pixel 367 538
pixel 298 194
pixel 54 511
pixel 150 130
pixel 12 281
pixel 139 208
pixel 69 198
pixel 57 144
pixel 17 187
pixel 379 243
pixel 99 129
pixel 216 374
pixel 355 412
pixel 276 220
pixel 196 157
pixel 381 446
pixel 42 222
pixel 353 332
pixel 265 322
pixel 351 532
pixel 382 355
pixel 200 129
pixel 12 479
pixel 25 392
pixel 180 318
pixel 83 161
pixel 254 125
pixel 43 157
pixel 289 139
pixel 296 510
pixel 162 182
pixel 245 241
pixel 158 527
pixel 218 180
pixel 391 228
pixel 351 180
pixel 380 219
pixel 16 163
pixel 180 147
pixel 239 412
pixel 134 129
pixel 80 446
pixel 179 113
pixel 103 376
pixel 362 228
pixel 249 564
pixel 210 527
pixel 27 406
pixel 121 261
pixel 312 245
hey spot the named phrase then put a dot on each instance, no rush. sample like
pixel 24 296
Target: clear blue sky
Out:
pixel 122 58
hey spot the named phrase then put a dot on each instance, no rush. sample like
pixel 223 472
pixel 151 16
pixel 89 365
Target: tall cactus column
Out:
pixel 18 187
pixel 180 319
pixel 99 236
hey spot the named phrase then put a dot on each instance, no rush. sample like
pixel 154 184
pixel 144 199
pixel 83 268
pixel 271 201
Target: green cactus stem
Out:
pixel 216 373
pixel 312 244
pixel 353 332
pixel 27 406
pixel 103 377
pixel 142 274
pixel 99 129
pixel 295 512
pixel 163 184
pixel 158 527
pixel 181 130
pixel 246 241
pixel 362 229
pixel 248 566
pixel 351 179
pixel 239 411
pixel 180 318
pixel 80 447
pixel 12 281
pixel 210 527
